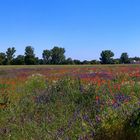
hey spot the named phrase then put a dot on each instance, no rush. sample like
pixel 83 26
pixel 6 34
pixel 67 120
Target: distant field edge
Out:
pixel 48 66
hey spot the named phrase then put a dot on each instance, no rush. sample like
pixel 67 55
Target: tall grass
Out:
pixel 70 109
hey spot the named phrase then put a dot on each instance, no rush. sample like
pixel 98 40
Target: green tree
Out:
pixel 77 62
pixel 69 61
pixel 57 54
pixel 85 62
pixel 2 58
pixel 40 61
pixel 106 57
pixel 94 62
pixel 36 61
pixel 47 56
pixel 19 60
pixel 124 58
pixel 30 56
pixel 10 55
pixel 136 58
pixel 116 61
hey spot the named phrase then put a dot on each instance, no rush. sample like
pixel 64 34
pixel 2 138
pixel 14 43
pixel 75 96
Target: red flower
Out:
pixel 97 97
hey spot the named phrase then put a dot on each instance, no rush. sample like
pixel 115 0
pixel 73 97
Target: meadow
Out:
pixel 86 102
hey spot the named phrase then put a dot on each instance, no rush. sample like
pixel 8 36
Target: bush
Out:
pixel 35 83
pixel 69 109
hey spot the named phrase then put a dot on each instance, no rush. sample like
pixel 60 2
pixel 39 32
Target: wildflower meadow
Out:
pixel 70 102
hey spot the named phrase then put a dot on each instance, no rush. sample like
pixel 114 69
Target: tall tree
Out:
pixel 77 62
pixel 69 61
pixel 29 56
pixel 36 61
pixel 58 56
pixel 47 56
pixel 10 55
pixel 19 60
pixel 2 58
pixel 40 61
pixel 124 58
pixel 106 57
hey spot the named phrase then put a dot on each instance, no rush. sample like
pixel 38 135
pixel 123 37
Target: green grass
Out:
pixel 68 109
pixel 65 66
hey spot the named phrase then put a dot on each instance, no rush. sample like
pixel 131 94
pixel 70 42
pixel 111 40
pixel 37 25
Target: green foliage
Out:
pixel 69 61
pixel 124 58
pixel 94 62
pixel 2 58
pixel 68 109
pixel 132 125
pixel 29 56
pixel 47 56
pixel 77 62
pixel 35 83
pixel 54 56
pixel 19 60
pixel 58 56
pixel 10 55
pixel 106 57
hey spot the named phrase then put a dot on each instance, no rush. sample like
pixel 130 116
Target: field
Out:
pixel 70 102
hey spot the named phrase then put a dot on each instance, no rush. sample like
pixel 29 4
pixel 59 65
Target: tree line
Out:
pixel 56 56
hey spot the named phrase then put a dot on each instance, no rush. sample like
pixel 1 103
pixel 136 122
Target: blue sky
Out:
pixel 83 27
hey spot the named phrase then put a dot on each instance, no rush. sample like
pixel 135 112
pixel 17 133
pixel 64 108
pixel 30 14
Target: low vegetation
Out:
pixel 68 107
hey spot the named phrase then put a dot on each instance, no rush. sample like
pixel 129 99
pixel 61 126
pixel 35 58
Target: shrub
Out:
pixel 35 83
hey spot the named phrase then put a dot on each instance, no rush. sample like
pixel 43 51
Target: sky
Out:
pixel 83 27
